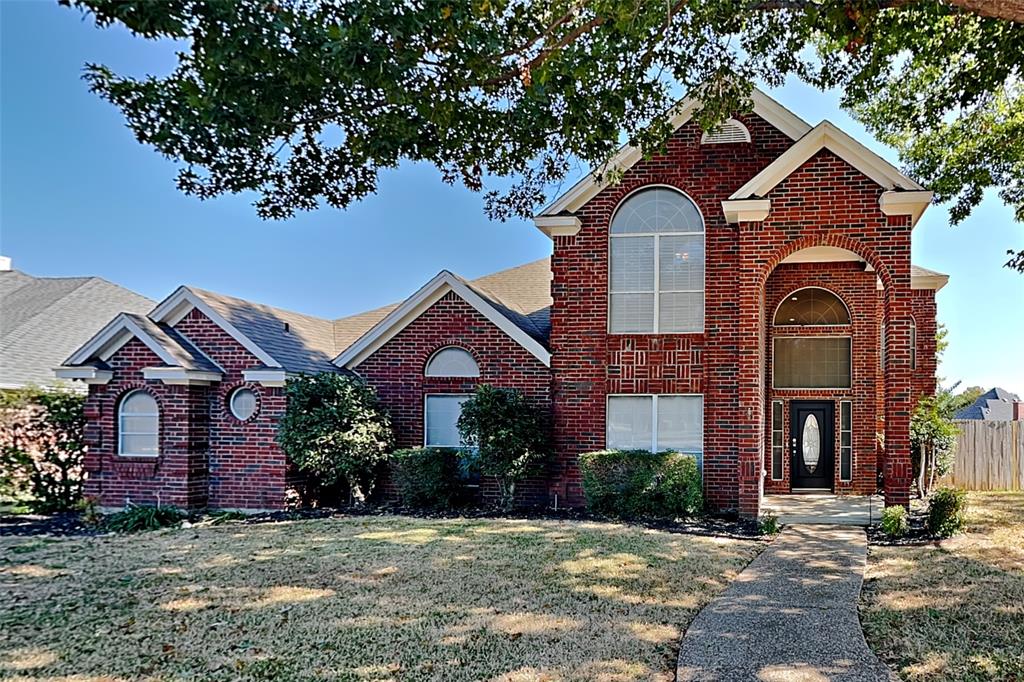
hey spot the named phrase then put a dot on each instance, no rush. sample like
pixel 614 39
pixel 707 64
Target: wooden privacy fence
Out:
pixel 989 456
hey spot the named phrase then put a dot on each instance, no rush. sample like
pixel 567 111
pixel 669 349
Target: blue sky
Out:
pixel 79 196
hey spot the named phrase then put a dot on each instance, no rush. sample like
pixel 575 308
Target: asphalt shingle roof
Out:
pixel 44 319
pixel 993 405
pixel 186 355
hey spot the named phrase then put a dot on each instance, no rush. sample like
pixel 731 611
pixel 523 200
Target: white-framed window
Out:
pixel 845 440
pixel 452 362
pixel 656 423
pixel 656 264
pixel 778 441
pixel 243 403
pixel 812 362
pixel 441 413
pixel 138 420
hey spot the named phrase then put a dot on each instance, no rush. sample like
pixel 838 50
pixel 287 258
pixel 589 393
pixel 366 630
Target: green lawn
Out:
pixel 383 598
pixel 955 611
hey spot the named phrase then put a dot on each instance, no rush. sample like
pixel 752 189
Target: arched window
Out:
pixel 656 283
pixel 138 426
pixel 812 307
pixel 452 362
pixel 243 403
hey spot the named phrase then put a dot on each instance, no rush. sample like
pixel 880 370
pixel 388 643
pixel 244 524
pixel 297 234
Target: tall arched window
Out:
pixel 805 360
pixel 138 426
pixel 452 362
pixel 656 283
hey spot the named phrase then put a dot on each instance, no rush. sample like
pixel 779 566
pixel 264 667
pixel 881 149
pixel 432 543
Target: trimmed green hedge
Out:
pixel 427 477
pixel 637 483
pixel 947 512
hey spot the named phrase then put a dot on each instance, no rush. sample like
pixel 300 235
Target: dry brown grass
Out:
pixel 386 598
pixel 953 611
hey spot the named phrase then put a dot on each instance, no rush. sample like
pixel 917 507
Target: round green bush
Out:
pixel 638 483
pixel 427 477
pixel 895 521
pixel 947 512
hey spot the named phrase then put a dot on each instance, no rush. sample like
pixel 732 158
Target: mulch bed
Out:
pixel 71 524
pixel 917 536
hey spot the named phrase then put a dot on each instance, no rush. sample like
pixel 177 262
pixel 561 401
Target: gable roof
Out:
pixel 44 319
pixel 628 156
pixel 167 343
pixel 993 405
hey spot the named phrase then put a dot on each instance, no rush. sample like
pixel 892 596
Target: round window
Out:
pixel 243 403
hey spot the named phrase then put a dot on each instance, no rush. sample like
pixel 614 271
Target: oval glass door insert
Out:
pixel 811 443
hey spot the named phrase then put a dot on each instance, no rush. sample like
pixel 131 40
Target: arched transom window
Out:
pixel 138 426
pixel 813 307
pixel 452 362
pixel 657 264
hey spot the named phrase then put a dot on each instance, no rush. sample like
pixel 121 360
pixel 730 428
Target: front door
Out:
pixel 811 443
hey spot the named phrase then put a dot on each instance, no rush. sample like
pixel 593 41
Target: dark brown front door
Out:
pixel 812 443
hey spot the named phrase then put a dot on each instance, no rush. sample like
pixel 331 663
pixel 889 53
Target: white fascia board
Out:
pixel 912 203
pixel 558 225
pixel 934 282
pixel 746 210
pixel 90 375
pixel 176 306
pixel 180 376
pixel 266 377
pixel 825 135
pixel 113 336
pixel 417 304
pixel 588 187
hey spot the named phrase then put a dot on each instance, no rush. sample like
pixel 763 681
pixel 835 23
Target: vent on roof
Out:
pixel 729 132
pixel 287 327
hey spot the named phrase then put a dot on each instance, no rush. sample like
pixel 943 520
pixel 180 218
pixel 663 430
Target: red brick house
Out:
pixel 746 296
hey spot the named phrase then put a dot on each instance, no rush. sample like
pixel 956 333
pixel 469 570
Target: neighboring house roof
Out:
pixel 44 319
pixel 993 405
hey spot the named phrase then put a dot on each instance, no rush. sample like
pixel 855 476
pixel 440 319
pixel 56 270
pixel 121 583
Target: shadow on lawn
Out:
pixel 376 599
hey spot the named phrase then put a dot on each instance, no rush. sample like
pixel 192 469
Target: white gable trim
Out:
pixel 117 333
pixel 179 304
pixel 266 377
pixel 558 225
pixel 825 136
pixel 587 188
pixel 176 376
pixel 912 203
pixel 417 304
pixel 746 210
pixel 90 375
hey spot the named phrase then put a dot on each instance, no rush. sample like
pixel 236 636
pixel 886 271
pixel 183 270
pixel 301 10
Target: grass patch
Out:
pixel 362 598
pixel 953 610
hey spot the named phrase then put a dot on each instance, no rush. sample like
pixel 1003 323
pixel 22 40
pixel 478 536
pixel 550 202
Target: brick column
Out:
pixel 748 422
pixel 899 401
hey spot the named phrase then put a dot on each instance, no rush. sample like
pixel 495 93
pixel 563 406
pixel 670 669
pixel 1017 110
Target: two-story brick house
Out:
pixel 746 295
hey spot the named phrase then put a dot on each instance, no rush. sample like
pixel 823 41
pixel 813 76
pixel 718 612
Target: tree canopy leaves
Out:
pixel 304 102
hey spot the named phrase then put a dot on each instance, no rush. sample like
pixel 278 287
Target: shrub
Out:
pixel 427 477
pixel 947 512
pixel 143 517
pixel 895 521
pixel 636 483
pixel 768 524
pixel 42 447
pixel 334 429
pixel 510 433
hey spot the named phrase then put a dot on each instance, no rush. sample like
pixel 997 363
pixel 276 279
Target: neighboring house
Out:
pixel 746 296
pixel 44 319
pixel 995 405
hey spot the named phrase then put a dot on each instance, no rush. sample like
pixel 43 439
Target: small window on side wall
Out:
pixel 452 362
pixel 913 344
pixel 138 426
pixel 243 403
pixel 441 420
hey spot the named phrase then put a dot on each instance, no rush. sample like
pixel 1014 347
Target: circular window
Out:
pixel 243 403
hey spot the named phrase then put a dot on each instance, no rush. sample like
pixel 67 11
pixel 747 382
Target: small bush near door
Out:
pixel 427 477
pixel 637 483
pixel 947 512
pixel 895 521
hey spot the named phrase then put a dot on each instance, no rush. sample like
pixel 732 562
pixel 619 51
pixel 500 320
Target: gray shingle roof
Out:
pixel 184 352
pixel 993 405
pixel 44 319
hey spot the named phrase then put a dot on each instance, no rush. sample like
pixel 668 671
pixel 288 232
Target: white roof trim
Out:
pixel 181 377
pixel 588 187
pixel 417 304
pixel 558 225
pixel 176 306
pixel 266 377
pixel 825 136
pixel 117 332
pixel 746 210
pixel 912 203
pixel 90 375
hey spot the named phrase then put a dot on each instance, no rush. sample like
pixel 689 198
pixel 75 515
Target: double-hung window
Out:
pixel 656 423
pixel 656 262
pixel 441 419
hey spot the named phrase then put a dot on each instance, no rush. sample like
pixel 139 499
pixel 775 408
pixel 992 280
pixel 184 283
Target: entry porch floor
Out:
pixel 825 508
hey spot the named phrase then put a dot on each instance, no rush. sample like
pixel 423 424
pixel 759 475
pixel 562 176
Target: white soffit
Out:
pixel 417 304
pixel 266 377
pixel 90 375
pixel 822 254
pixel 587 188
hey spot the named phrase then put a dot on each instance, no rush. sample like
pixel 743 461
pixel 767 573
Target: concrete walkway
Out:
pixel 838 510
pixel 790 615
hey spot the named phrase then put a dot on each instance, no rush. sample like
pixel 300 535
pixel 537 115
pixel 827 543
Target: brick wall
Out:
pixel 396 371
